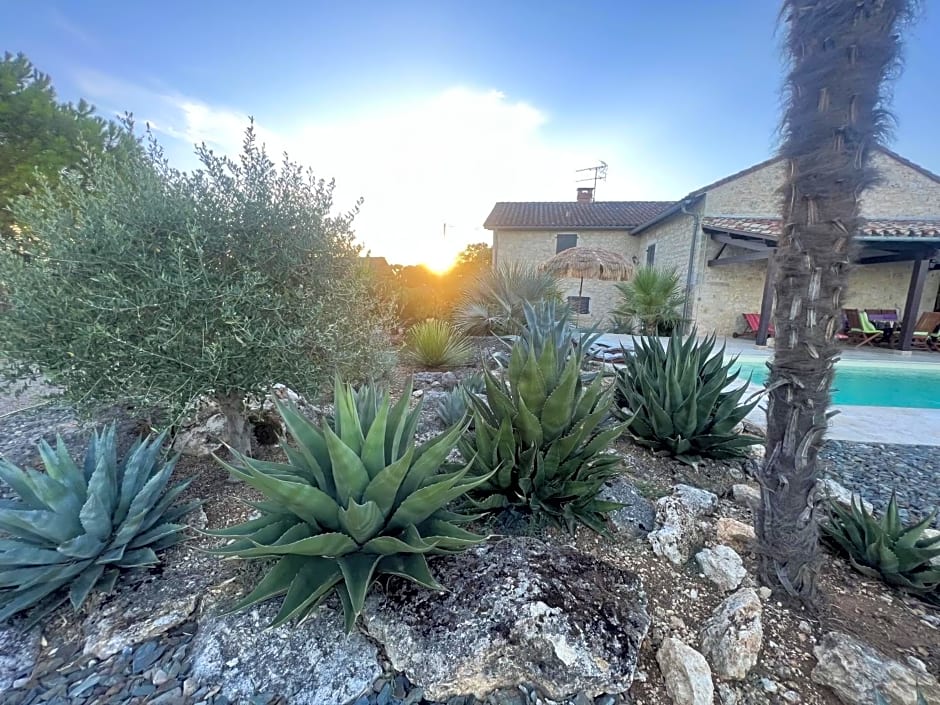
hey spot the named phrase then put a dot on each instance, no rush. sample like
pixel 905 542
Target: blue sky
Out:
pixel 431 111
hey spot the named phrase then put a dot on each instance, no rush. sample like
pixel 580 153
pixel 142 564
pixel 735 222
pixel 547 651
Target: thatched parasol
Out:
pixel 590 262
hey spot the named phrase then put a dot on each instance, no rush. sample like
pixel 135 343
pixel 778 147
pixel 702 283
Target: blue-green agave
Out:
pixel 79 527
pixel 356 499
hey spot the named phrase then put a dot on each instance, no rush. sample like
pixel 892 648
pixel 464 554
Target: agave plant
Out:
pixel 897 553
pixel 79 527
pixel 539 436
pixel 495 302
pixel 453 406
pixel 355 500
pixel 682 399
pixel 435 343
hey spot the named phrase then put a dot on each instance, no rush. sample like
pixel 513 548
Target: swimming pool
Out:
pixel 903 384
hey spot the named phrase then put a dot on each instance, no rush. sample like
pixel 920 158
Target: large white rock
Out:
pixel 732 637
pixel 516 611
pixel 722 565
pixel 678 517
pixel 312 663
pixel 827 488
pixel 686 673
pixel 746 496
pixel 855 671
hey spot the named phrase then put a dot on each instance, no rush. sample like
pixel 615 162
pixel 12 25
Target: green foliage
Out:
pixel 541 429
pixel 355 500
pixel 678 399
pixel 79 527
pixel 435 343
pixel 886 548
pixel 40 135
pixel 651 303
pixel 223 281
pixel 452 408
pixel 495 302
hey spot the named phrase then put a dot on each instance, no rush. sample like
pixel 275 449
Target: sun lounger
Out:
pixel 752 320
pixel 860 329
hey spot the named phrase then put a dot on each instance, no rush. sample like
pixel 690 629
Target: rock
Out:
pixel 854 671
pixel 830 489
pixel 19 650
pixel 637 516
pixel 732 531
pixel 677 519
pixel 686 673
pixel 733 635
pixel 765 592
pixel 746 496
pixel 722 565
pixel 312 663
pixel 135 616
pixel 932 534
pixel 517 611
pixel 449 380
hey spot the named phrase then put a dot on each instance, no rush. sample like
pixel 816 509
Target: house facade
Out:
pixel 720 240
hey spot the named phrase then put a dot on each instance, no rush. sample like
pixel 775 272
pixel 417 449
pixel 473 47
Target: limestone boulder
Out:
pixel 637 516
pixel 828 488
pixel 721 565
pixel 686 673
pixel 746 495
pixel 516 611
pixel 678 522
pixel 734 533
pixel 733 636
pixel 855 671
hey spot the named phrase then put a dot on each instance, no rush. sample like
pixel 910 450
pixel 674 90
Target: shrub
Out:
pixel 156 286
pixel 435 343
pixel 79 527
pixel 651 303
pixel 495 301
pixel 453 406
pixel 897 553
pixel 355 500
pixel 539 436
pixel 678 399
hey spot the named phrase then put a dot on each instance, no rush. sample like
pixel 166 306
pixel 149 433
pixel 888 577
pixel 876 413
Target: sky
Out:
pixel 433 111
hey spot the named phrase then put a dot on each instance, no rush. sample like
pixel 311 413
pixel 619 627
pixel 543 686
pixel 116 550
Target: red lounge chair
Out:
pixel 753 322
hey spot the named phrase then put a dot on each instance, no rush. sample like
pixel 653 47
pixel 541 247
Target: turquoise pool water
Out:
pixel 907 384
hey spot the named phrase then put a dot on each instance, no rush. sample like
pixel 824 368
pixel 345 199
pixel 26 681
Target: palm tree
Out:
pixel 494 302
pixel 651 303
pixel 842 53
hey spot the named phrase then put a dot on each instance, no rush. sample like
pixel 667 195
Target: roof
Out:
pixel 770 227
pixel 601 215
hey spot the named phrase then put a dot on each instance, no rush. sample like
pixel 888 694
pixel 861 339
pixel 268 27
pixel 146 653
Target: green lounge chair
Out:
pixel 861 330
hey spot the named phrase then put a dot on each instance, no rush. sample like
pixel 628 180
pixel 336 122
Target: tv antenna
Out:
pixel 599 173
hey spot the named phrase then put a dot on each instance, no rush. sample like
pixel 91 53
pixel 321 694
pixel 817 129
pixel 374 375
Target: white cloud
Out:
pixel 443 158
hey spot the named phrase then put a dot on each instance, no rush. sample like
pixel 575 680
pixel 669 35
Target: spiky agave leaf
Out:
pixel 887 548
pixel 683 399
pixel 356 500
pixel 79 527
pixel 540 433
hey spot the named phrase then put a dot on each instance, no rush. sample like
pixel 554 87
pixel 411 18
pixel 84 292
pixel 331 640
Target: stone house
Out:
pixel 720 239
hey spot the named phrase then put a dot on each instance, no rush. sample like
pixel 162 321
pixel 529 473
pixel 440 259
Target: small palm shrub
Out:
pixel 538 438
pixel 80 526
pixel 650 303
pixel 453 406
pixel 495 302
pixel 355 500
pixel 678 399
pixel 886 548
pixel 435 343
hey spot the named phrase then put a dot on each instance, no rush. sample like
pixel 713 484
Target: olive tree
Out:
pixel 154 285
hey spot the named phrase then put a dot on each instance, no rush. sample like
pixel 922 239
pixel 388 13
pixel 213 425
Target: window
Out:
pixel 565 241
pixel 580 304
pixel 650 255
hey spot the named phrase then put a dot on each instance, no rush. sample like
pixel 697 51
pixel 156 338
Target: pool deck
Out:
pixel 860 424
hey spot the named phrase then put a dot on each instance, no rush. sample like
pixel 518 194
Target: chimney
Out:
pixel 585 194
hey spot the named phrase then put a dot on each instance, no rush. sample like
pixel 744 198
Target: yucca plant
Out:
pixel 887 548
pixel 435 343
pixel 682 399
pixel 495 301
pixel 355 500
pixel 79 527
pixel 539 435
pixel 453 406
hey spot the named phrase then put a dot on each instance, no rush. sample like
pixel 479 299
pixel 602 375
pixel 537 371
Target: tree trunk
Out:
pixel 841 53
pixel 237 428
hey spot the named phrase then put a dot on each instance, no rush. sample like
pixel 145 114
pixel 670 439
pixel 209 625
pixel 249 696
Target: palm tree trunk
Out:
pixel 841 54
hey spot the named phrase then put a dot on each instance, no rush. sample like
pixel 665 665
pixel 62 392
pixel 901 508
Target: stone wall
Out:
pixel 902 192
pixel 533 247
pixel 754 194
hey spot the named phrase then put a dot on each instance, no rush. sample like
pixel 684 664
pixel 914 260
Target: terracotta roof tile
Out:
pixel 770 227
pixel 624 215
